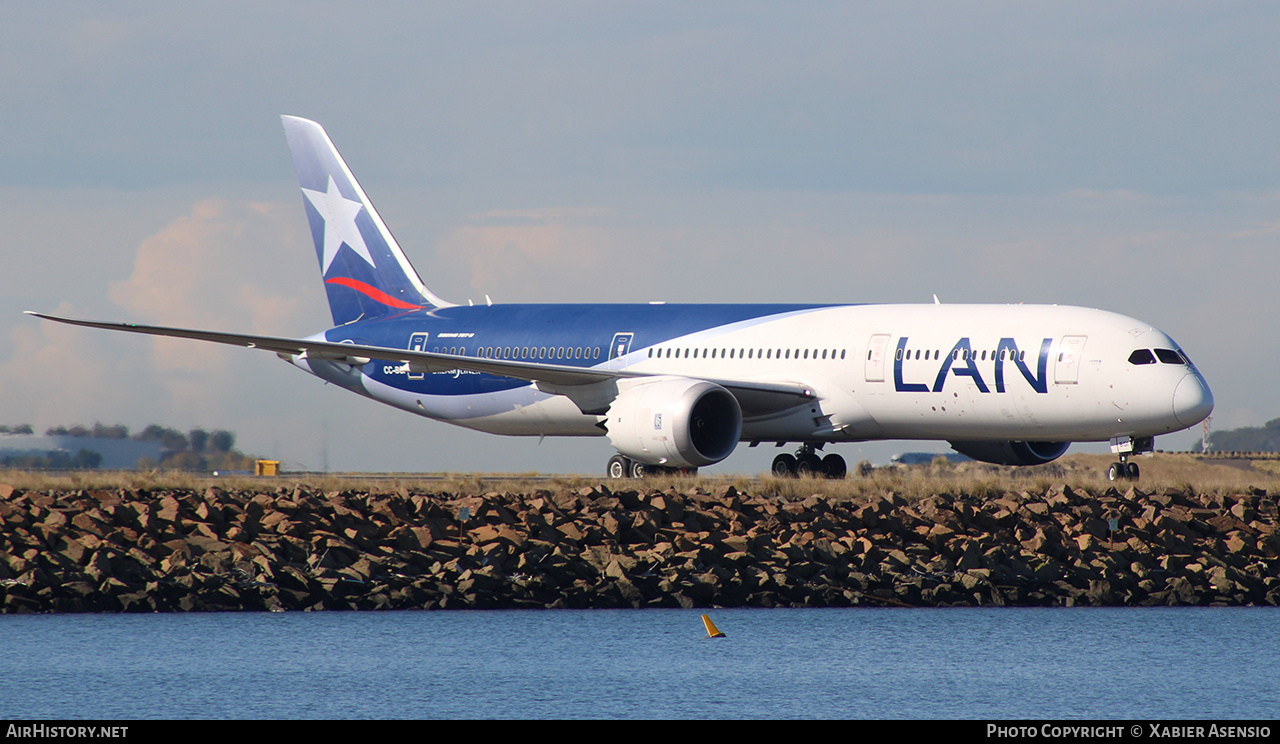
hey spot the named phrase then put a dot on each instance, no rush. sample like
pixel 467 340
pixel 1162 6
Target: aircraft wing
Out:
pixel 755 398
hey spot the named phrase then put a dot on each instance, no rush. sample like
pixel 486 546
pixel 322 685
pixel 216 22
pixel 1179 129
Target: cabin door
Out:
pixel 1066 370
pixel 620 347
pixel 876 351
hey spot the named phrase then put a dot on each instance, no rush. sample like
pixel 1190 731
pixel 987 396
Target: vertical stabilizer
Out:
pixel 365 273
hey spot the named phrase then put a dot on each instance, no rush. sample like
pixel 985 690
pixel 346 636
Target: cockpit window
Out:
pixel 1169 356
pixel 1142 356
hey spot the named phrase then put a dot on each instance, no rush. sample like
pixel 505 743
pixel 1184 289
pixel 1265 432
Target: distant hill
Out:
pixel 1265 438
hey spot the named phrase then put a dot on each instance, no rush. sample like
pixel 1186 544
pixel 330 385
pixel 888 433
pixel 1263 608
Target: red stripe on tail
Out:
pixel 374 293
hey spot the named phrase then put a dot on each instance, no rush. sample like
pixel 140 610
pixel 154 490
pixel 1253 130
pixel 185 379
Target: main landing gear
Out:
pixel 805 462
pixel 1124 447
pixel 625 467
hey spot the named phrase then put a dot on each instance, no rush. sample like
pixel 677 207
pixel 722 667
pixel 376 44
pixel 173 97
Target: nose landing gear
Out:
pixel 1123 470
pixel 1124 447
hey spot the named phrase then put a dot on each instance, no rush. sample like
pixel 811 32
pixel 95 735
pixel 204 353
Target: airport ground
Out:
pixel 1193 531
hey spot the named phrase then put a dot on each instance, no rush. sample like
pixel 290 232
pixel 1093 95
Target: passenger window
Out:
pixel 1142 356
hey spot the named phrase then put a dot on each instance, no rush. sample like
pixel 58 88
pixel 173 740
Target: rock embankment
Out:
pixel 297 549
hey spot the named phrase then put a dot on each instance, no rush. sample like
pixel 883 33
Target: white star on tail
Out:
pixel 339 214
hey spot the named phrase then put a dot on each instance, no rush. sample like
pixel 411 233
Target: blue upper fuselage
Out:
pixel 586 335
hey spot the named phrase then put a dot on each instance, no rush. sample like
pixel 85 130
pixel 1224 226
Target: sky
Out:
pixel 1112 155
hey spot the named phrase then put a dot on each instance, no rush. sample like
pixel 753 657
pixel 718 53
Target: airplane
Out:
pixel 675 387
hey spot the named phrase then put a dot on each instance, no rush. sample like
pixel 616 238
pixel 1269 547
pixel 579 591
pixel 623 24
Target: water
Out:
pixel 1094 663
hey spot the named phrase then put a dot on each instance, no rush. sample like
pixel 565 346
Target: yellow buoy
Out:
pixel 712 630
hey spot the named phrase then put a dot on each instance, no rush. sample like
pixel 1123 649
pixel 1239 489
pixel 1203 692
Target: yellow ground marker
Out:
pixel 712 630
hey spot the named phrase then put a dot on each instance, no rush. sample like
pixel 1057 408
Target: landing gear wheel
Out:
pixel 639 469
pixel 784 466
pixel 1122 470
pixel 617 467
pixel 808 466
pixel 834 466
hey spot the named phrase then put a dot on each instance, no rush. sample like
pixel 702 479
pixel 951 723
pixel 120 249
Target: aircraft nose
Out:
pixel 1192 401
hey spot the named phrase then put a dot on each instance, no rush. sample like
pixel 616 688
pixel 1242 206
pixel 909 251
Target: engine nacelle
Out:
pixel 675 422
pixel 1012 453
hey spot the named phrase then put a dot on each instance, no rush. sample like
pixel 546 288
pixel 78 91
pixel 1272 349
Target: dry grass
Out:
pixel 1088 472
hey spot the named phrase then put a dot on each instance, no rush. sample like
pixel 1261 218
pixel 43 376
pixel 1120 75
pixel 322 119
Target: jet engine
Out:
pixel 1012 453
pixel 675 422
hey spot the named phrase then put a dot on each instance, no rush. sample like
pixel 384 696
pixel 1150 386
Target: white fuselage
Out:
pixel 938 372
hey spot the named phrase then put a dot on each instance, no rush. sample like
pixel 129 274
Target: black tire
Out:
pixel 834 466
pixel 1115 472
pixel 639 469
pixel 808 466
pixel 784 466
pixel 618 467
pixel 1131 471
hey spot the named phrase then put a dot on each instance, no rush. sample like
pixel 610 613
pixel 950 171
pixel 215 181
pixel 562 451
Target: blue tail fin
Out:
pixel 366 275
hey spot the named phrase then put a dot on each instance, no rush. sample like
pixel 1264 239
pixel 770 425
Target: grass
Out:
pixel 1160 472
